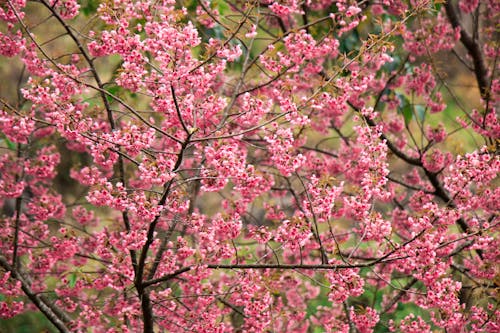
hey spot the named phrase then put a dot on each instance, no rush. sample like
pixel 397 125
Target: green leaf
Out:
pixel 72 278
pixel 420 112
pixel 407 112
pixel 112 90
pixel 11 145
pixel 405 108
pixel 349 42
pixel 222 7
pixel 437 6
pixel 89 7
pixel 218 32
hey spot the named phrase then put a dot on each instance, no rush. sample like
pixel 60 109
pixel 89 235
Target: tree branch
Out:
pixel 474 49
pixel 55 315
pixel 268 266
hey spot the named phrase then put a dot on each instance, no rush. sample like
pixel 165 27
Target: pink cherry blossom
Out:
pixel 262 166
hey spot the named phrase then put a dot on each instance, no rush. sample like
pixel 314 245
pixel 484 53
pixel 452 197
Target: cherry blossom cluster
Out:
pixel 222 166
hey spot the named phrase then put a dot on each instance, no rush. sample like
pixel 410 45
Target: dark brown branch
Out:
pixel 305 19
pixel 233 307
pixel 473 48
pixel 352 326
pixel 401 293
pixel 440 192
pixel 314 225
pixel 166 277
pixel 55 315
pixel 395 150
pixel 411 187
pixel 269 266
pixel 19 202
pixel 147 312
pixel 162 248
pixel 178 110
pixel 389 81
pixel 139 284
pixel 321 151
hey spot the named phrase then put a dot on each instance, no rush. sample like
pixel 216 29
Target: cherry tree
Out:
pixel 250 166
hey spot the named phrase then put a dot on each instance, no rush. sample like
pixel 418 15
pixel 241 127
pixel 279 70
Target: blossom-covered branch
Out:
pixel 221 166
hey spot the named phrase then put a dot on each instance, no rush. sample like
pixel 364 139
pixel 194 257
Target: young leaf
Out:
pixel 72 278
pixel 405 108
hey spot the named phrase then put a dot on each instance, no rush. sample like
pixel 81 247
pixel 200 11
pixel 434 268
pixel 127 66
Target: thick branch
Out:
pixel 473 48
pixel 18 206
pixel 440 192
pixel 55 315
pixel 178 110
pixel 147 311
